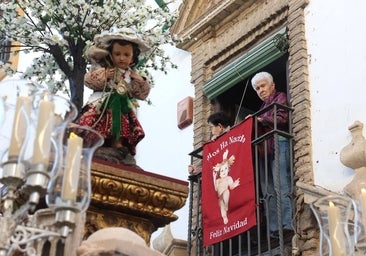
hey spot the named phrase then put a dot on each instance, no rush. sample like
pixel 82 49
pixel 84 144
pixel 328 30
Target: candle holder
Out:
pixel 335 217
pixel 15 111
pixel 13 164
pixel 70 188
pixel 359 197
pixel 55 113
pixel 33 125
pixel 15 108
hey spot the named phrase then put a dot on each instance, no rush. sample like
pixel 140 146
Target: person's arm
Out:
pixel 216 181
pixel 281 115
pixel 139 86
pixel 96 79
pixel 234 184
pixel 192 170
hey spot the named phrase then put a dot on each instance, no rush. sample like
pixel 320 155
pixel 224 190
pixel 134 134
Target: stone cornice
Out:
pixel 190 26
pixel 312 192
pixel 136 192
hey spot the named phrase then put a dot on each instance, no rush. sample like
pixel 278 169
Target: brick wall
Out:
pixel 307 239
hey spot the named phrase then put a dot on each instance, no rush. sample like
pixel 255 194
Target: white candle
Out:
pixel 72 167
pixel 22 108
pixel 42 142
pixel 336 235
pixel 363 206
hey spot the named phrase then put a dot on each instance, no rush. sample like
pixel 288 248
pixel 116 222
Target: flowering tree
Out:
pixel 60 30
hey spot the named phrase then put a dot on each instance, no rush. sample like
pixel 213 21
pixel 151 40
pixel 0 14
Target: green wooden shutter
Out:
pixel 255 59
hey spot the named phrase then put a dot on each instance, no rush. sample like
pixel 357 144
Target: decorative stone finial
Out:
pixel 354 156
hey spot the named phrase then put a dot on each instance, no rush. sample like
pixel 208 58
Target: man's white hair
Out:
pixel 260 76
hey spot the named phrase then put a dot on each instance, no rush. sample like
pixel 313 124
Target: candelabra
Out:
pixel 335 216
pixel 43 155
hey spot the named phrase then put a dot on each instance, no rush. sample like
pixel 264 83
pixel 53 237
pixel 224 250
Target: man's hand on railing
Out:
pixel 259 119
pixel 193 170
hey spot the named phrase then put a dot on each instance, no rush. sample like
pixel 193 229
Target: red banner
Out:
pixel 228 198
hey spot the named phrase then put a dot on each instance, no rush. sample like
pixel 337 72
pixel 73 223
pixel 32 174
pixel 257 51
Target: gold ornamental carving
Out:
pixel 126 196
pixel 97 219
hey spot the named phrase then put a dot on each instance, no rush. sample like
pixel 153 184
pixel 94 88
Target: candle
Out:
pixel 22 108
pixel 72 167
pixel 42 143
pixel 336 235
pixel 363 204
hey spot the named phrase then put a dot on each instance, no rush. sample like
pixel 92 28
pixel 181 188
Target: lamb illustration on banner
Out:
pixel 224 183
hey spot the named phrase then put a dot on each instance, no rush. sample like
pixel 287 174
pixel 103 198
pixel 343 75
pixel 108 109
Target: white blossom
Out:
pixel 57 28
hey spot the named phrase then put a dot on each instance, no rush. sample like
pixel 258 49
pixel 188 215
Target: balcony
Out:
pixel 258 240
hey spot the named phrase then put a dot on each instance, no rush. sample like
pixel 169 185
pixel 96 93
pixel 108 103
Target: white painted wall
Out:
pixel 337 76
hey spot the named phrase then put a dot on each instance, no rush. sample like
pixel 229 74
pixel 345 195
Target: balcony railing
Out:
pixel 258 240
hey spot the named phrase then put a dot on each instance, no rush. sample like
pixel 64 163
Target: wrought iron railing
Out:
pixel 258 240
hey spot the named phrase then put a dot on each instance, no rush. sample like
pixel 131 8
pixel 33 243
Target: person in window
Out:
pixel 265 87
pixel 219 123
pixel 117 87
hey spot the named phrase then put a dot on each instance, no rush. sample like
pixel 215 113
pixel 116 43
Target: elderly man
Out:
pixel 265 87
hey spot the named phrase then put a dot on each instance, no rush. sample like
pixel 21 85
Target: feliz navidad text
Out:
pixel 224 144
pixel 228 228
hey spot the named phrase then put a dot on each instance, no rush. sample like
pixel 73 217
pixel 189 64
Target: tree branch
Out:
pixel 56 52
